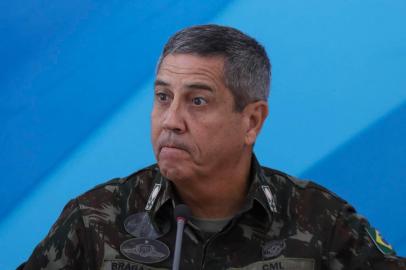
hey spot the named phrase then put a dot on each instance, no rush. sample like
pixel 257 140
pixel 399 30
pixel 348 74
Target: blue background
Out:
pixel 76 92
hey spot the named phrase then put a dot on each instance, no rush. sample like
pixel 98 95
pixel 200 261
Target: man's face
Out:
pixel 195 128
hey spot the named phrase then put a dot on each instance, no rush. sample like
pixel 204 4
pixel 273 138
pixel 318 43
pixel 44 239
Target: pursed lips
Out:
pixel 172 143
pixel 171 146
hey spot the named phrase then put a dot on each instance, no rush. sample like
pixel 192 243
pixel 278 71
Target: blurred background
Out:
pixel 76 93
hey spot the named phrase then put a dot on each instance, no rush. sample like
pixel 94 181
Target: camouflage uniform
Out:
pixel 284 224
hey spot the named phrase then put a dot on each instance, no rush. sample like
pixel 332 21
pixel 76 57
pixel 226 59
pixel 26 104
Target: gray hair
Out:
pixel 247 69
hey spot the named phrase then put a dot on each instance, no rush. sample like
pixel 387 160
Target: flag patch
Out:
pixel 379 242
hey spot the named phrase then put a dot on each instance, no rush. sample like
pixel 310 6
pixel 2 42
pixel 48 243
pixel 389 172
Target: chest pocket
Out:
pixel 281 264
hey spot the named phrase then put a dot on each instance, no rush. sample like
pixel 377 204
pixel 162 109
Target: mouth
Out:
pixel 171 148
pixel 168 147
pixel 171 152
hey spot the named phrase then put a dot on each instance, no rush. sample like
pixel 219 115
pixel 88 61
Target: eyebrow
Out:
pixel 160 83
pixel 199 86
pixel 191 86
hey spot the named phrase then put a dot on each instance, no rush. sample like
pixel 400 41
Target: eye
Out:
pixel 162 96
pixel 198 101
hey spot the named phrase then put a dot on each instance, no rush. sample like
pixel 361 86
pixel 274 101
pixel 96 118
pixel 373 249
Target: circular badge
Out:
pixel 145 250
pixel 273 249
pixel 140 225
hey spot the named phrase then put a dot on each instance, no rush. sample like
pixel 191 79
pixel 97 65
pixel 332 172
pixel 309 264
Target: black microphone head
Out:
pixel 182 211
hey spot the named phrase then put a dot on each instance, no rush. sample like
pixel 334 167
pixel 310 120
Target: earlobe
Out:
pixel 256 114
pixel 250 137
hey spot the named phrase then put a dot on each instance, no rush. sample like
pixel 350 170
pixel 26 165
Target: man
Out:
pixel 211 91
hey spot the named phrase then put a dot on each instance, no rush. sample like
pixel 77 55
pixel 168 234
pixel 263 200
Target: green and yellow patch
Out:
pixel 379 242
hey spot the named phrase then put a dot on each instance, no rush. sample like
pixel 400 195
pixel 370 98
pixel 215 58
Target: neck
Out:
pixel 220 195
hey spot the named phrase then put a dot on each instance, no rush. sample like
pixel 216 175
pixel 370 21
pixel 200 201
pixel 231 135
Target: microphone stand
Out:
pixel 182 213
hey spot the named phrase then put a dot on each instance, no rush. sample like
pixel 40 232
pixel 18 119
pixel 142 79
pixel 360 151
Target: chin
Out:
pixel 173 172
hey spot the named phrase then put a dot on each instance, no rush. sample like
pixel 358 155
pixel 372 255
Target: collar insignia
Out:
pixel 270 198
pixel 152 197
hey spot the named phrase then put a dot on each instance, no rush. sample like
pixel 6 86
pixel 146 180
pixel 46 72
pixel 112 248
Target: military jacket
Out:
pixel 285 223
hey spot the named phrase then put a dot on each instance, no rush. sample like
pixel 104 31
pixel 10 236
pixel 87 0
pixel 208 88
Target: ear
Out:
pixel 255 113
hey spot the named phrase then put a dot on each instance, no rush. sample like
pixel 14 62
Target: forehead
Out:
pixel 189 66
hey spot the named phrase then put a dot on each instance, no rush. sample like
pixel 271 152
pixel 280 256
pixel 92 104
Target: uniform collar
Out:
pixel 257 196
pixel 166 199
pixel 261 196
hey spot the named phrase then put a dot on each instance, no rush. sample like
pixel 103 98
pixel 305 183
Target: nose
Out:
pixel 173 118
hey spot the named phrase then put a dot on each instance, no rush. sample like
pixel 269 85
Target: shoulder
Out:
pixel 305 195
pixel 112 197
pixel 331 219
pixel 136 180
pixel 300 185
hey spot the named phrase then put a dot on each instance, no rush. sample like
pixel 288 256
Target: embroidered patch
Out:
pixel 273 249
pixel 140 226
pixel 379 242
pixel 118 264
pixel 145 250
pixel 281 264
pixel 270 198
pixel 152 197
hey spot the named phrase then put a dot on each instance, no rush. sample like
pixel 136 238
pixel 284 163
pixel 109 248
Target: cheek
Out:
pixel 156 115
pixel 155 128
pixel 220 135
pixel 234 132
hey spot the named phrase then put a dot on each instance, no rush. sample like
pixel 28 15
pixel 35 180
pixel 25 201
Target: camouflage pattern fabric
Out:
pixel 284 224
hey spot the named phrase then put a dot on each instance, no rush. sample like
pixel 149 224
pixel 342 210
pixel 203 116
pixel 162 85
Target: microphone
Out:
pixel 181 213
